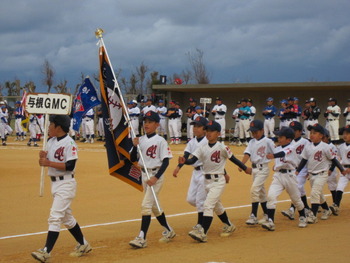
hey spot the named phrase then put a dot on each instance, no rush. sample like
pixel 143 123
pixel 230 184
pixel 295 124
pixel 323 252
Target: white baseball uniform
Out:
pixel 344 153
pixel 154 150
pixel 346 114
pixel 162 129
pixel 179 123
pixel 235 114
pixel 299 145
pixel 332 178
pixel 257 151
pixel 196 192
pixel 4 127
pixel 134 113
pixel 252 113
pixel 88 119
pixel 333 122
pixel 173 124
pixel 220 118
pixel 63 187
pixel 318 163
pixel 284 178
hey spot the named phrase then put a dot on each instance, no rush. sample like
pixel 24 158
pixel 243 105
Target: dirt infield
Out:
pixel 109 211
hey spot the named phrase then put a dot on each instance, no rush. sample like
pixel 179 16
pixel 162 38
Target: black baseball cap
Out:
pixel 192 100
pixel 295 125
pixel 316 127
pixel 218 98
pixel 244 100
pixel 286 132
pixel 290 98
pixel 256 125
pixel 151 115
pixel 344 129
pixel 213 126
pixel 200 121
pixel 250 100
pixel 332 99
pixel 326 133
pixel 61 120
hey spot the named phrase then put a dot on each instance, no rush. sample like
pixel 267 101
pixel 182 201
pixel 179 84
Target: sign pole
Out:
pixel 42 175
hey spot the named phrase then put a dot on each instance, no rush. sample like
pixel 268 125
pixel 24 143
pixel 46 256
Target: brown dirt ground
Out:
pixel 103 199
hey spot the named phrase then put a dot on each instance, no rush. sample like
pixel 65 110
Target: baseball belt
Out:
pixel 285 171
pixel 314 174
pixel 211 176
pixel 149 169
pixel 61 178
pixel 346 165
pixel 198 168
pixel 254 165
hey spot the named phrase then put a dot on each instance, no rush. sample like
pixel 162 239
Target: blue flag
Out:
pixel 84 101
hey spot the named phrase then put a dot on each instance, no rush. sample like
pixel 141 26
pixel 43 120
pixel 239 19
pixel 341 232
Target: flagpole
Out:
pixel 98 34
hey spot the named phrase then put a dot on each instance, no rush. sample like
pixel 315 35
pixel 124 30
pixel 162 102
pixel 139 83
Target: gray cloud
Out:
pixel 256 41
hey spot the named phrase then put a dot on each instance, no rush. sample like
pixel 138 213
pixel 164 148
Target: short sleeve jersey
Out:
pixel 344 153
pixel 213 158
pixel 154 150
pixel 318 157
pixel 289 161
pixel 258 149
pixel 61 151
pixel 300 146
pixel 192 145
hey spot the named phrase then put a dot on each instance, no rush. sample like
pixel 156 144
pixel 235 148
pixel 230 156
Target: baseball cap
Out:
pixel 312 100
pixel 213 126
pixel 295 98
pixel 134 101
pixel 197 108
pixel 244 100
pixel 286 132
pixel 3 107
pixel 200 121
pixel 290 98
pixel 296 126
pixel 269 99
pixel 161 101
pixel 218 98
pixel 316 127
pixel 192 100
pixel 172 102
pixel 331 99
pixel 256 125
pixel 250 100
pixel 18 102
pixel 149 99
pixel 344 129
pixel 130 102
pixel 61 120
pixel 283 101
pixel 326 133
pixel 151 115
pixel 307 101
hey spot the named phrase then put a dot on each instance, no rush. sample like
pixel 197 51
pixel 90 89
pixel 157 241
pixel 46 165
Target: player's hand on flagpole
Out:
pixel 42 154
pixel 152 181
pixel 176 171
pixel 135 141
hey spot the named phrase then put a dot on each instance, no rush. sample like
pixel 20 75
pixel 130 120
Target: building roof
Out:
pixel 337 85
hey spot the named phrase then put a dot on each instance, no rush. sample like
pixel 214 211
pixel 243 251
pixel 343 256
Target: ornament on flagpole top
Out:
pixel 99 32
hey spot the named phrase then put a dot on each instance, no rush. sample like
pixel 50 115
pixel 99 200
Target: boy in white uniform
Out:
pixel 299 144
pixel 257 150
pixel 346 113
pixel 213 156
pixel 318 156
pixel 235 116
pixel 33 123
pixel 284 178
pixel 161 110
pixel 4 127
pixel 219 112
pixel 344 153
pixel 156 154
pixel 134 113
pixel 61 159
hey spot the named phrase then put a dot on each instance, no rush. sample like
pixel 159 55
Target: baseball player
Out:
pixel 318 156
pixel 148 107
pixel 252 109
pixel 245 114
pixel 88 119
pixel 213 156
pixel 269 113
pixel 190 112
pixel 100 126
pixel 4 126
pixel 219 112
pixel 199 112
pixel 161 110
pixel 179 122
pixel 134 113
pixel 299 143
pixel 284 178
pixel 18 119
pixel 281 113
pixel 305 115
pixel 235 116
pixel 61 160
pixel 332 115
pixel 299 110
pixel 196 192
pixel 346 114
pixel 344 153
pixel 257 150
pixel 156 154
pixel 33 123
pixel 291 111
pixel 173 114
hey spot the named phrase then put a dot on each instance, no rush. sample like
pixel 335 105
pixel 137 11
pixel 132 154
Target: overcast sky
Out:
pixel 242 41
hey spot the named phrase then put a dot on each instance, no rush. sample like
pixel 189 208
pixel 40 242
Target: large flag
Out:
pixel 118 141
pixel 84 101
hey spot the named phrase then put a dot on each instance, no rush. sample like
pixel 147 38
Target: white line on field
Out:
pixel 136 220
